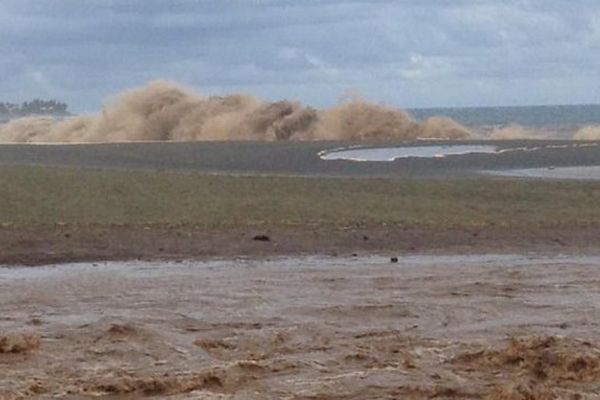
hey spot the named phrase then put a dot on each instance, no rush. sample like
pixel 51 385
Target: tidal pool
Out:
pixel 393 153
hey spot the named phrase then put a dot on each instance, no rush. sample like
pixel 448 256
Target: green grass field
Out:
pixel 37 196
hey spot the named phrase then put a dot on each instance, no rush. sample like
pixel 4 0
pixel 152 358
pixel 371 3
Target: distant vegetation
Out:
pixel 34 107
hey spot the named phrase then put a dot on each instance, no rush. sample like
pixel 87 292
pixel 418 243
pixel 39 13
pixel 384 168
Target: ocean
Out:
pixel 559 117
pixel 528 116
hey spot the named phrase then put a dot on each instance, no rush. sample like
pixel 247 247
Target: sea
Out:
pixel 552 116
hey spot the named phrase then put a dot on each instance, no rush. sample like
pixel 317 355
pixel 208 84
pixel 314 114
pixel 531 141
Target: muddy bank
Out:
pixel 64 243
pixel 448 327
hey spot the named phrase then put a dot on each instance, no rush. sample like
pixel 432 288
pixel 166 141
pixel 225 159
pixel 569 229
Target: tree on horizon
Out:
pixel 34 107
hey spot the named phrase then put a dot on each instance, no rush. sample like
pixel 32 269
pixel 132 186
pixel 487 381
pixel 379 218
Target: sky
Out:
pixel 406 53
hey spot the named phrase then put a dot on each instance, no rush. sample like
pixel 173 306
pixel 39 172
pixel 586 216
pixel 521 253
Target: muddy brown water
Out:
pixel 300 328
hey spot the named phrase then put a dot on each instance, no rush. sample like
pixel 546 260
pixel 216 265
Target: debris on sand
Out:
pixel 262 238
pixel 19 343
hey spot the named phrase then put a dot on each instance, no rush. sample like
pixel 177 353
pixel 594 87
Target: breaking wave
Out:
pixel 165 111
pixel 514 131
pixel 591 132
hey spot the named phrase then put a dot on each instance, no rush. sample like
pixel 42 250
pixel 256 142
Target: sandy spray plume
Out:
pixel 512 132
pixel 165 111
pixel 591 132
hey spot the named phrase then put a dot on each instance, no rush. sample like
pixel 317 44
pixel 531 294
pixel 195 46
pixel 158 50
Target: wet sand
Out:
pixel 302 158
pixel 496 326
pixel 64 243
pixel 591 173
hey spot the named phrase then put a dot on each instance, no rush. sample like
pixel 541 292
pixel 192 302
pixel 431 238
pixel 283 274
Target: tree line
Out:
pixel 33 107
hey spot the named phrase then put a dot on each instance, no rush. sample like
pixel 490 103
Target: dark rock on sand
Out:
pixel 262 238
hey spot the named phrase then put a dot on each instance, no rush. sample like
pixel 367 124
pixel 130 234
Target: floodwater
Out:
pixel 303 328
pixel 394 153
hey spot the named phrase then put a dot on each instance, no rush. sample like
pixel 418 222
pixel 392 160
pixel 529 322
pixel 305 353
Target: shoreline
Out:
pixel 69 244
pixel 301 158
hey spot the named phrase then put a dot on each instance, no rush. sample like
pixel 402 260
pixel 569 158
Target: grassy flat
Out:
pixel 43 196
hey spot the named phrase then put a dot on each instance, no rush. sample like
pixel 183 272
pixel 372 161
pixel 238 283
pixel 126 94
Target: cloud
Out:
pixel 407 53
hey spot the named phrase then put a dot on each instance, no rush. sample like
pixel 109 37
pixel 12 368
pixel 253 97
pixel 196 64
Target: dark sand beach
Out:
pixel 302 158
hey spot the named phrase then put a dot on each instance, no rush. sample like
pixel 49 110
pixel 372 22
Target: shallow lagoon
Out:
pixel 394 153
